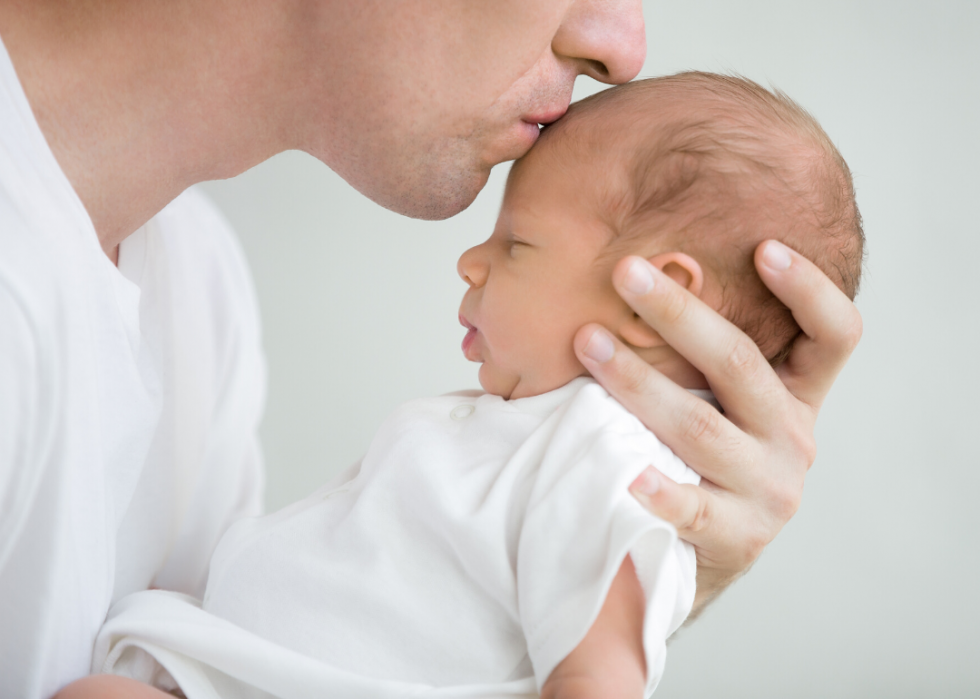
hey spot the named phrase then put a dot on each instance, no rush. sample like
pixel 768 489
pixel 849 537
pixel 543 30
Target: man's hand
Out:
pixel 754 457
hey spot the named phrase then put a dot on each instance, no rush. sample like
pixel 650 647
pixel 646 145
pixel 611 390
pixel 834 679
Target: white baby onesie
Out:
pixel 467 555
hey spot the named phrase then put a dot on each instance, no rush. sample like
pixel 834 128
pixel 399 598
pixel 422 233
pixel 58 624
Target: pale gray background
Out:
pixel 871 590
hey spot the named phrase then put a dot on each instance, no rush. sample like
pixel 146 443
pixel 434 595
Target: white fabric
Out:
pixel 466 555
pixel 129 400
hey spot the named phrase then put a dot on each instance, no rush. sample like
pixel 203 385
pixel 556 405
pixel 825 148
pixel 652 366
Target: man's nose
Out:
pixel 472 267
pixel 607 37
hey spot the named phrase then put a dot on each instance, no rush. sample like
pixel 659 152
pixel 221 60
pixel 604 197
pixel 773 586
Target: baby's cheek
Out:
pixel 554 370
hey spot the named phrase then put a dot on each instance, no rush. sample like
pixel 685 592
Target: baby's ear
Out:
pixel 684 270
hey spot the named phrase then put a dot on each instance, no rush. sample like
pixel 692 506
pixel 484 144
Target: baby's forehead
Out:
pixel 669 144
pixel 612 124
pixel 589 160
pixel 640 163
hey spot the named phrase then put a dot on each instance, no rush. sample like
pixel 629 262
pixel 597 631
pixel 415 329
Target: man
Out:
pixel 129 396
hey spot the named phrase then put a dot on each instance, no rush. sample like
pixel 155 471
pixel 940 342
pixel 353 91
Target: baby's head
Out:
pixel 692 172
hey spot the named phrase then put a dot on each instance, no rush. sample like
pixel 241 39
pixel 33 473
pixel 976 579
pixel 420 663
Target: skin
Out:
pixel 609 662
pixel 413 102
pixel 110 687
pixel 544 273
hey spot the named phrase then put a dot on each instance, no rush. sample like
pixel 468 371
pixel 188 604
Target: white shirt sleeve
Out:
pixel 222 478
pixel 20 477
pixel 104 489
pixel 44 626
pixel 19 386
pixel 230 482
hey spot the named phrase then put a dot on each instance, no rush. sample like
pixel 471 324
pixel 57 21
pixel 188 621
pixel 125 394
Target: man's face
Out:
pixel 539 278
pixel 413 101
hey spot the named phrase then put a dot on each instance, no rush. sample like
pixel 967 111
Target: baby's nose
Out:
pixel 472 268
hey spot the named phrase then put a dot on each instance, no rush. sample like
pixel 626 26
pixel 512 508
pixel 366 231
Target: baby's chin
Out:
pixel 511 386
pixel 498 383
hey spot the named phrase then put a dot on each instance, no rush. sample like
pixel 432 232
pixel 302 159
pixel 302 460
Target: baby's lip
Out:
pixel 467 344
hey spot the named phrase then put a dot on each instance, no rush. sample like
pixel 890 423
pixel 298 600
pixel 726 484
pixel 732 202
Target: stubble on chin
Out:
pixel 434 187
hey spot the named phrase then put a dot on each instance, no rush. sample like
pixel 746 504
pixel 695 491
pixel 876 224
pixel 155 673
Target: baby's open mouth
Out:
pixel 470 335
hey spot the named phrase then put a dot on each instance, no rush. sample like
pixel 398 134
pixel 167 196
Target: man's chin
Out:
pixel 441 202
pixel 432 196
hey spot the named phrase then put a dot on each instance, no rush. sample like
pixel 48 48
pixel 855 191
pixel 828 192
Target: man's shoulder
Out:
pixel 35 300
pixel 32 280
pixel 199 271
pixel 194 226
pixel 205 257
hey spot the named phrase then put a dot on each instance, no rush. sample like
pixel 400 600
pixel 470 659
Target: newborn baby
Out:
pixel 487 544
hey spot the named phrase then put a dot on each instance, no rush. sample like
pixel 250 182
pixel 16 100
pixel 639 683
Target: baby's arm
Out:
pixel 609 662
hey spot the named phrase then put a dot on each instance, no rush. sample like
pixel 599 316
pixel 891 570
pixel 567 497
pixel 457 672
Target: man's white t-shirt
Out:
pixel 129 403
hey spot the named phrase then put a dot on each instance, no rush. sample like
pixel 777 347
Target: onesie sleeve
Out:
pixel 580 524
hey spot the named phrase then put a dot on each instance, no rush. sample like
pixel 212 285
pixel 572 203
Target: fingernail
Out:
pixel 647 483
pixel 776 256
pixel 599 348
pixel 638 279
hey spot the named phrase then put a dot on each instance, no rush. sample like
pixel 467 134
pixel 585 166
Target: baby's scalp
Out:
pixel 712 165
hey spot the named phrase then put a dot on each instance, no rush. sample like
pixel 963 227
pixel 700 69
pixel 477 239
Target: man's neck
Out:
pixel 140 100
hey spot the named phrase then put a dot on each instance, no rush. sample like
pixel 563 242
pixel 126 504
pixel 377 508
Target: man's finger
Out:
pixel 741 378
pixel 830 322
pixel 702 515
pixel 683 505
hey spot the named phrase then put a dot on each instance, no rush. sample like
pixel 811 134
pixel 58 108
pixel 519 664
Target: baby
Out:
pixel 487 545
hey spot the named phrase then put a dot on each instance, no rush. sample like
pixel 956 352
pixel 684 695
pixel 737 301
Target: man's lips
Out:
pixel 545 117
pixel 531 124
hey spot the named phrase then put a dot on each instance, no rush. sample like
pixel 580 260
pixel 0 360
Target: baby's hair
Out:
pixel 725 165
